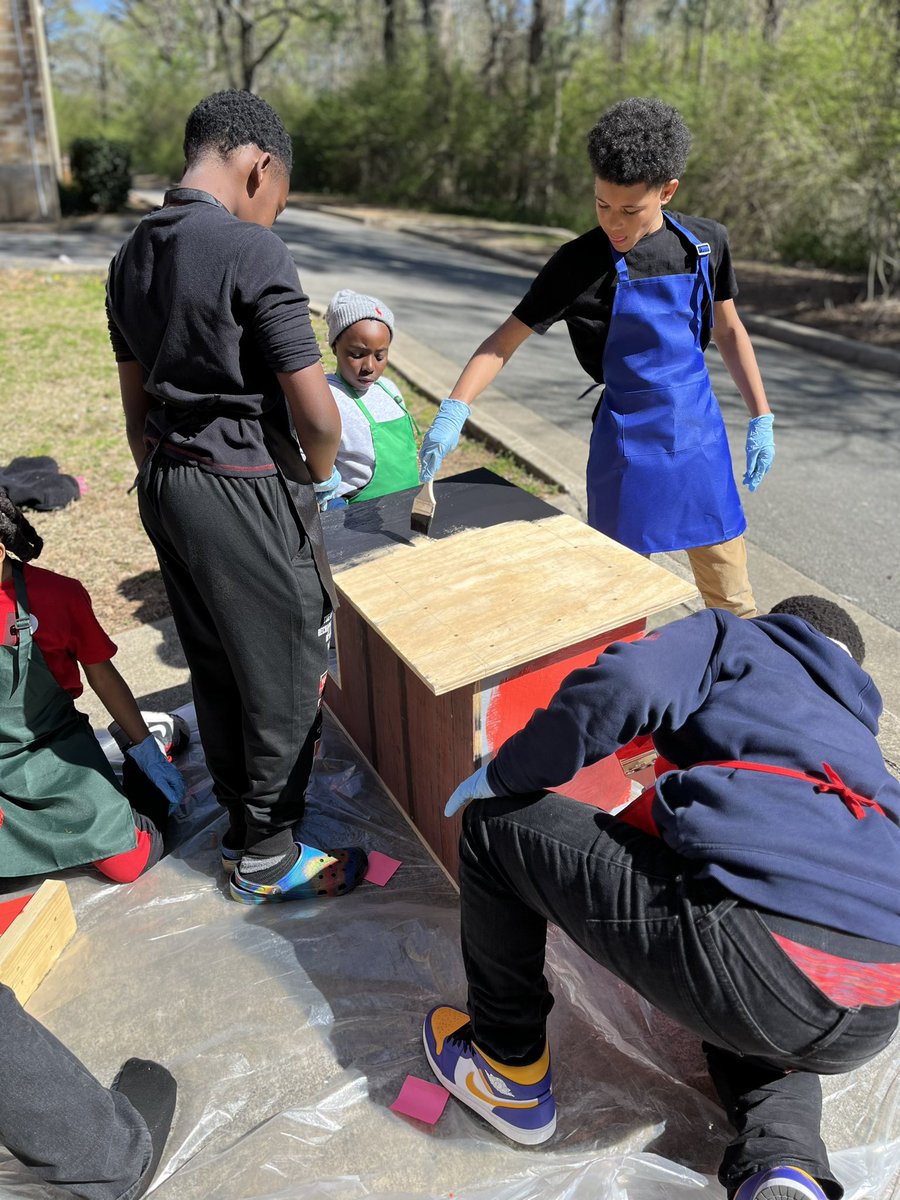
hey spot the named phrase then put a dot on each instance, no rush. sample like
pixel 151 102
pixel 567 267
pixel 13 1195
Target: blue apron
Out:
pixel 659 471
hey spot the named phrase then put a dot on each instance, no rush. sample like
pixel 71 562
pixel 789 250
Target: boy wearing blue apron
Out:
pixel 378 453
pixel 641 295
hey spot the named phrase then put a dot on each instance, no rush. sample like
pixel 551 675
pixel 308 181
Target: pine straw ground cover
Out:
pixel 60 397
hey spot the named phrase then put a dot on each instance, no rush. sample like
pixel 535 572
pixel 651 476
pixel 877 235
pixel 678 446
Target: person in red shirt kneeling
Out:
pixel 60 802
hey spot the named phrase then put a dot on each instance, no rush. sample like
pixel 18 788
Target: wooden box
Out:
pixel 446 645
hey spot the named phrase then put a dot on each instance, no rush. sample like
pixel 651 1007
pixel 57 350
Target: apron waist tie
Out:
pixel 832 783
pixel 638 813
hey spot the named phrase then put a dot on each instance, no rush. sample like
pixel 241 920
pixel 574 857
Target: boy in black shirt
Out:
pixel 217 360
pixel 639 295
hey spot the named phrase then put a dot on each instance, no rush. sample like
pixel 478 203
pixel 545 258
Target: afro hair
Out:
pixel 228 120
pixel 639 140
pixel 826 616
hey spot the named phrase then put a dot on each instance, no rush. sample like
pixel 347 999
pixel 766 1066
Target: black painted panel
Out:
pixel 472 500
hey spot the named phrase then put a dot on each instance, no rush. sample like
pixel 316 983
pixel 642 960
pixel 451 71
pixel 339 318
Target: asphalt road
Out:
pixel 830 507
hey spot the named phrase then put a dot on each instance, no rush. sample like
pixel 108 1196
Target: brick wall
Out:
pixel 27 155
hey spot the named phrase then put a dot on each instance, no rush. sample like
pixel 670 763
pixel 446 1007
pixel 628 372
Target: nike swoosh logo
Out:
pixel 492 1100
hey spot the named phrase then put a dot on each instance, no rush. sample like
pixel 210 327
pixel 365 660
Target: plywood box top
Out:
pixel 483 601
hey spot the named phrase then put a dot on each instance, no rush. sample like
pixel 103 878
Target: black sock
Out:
pixel 151 1090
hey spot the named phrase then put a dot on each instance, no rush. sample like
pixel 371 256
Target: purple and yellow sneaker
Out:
pixel 516 1100
pixel 780 1183
pixel 315 873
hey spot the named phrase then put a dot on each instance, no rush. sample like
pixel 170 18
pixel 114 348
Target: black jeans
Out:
pixel 57 1119
pixel 252 618
pixel 697 954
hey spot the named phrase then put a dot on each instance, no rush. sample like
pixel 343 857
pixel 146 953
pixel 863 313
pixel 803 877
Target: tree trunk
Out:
pixel 389 33
pixel 704 41
pixel 773 10
pixel 619 14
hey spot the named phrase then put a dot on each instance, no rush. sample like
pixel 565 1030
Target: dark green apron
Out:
pixel 59 800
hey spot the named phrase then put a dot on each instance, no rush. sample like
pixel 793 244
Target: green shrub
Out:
pixel 101 172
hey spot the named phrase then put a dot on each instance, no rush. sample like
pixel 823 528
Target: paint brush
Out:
pixel 423 509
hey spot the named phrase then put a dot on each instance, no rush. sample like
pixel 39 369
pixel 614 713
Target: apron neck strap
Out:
pixel 355 395
pixel 621 268
pixel 351 390
pixel 702 250
pixel 364 408
pixel 23 611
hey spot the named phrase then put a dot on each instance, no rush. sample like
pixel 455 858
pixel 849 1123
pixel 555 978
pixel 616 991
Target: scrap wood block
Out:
pixel 31 942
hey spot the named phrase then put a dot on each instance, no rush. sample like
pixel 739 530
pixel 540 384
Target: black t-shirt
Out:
pixel 578 284
pixel 211 307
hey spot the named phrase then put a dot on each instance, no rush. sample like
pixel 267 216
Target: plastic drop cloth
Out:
pixel 290 1029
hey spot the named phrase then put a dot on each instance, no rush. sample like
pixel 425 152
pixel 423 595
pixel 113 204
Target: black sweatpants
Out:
pixel 57 1119
pixel 253 620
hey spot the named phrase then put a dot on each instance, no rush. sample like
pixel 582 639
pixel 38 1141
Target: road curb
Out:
pixel 833 345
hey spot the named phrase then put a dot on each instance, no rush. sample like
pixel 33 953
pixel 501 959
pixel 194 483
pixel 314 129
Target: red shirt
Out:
pixel 63 623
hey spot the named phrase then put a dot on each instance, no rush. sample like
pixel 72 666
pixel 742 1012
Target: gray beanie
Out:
pixel 346 307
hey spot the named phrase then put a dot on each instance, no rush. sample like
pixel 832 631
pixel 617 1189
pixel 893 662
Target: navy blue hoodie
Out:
pixel 773 690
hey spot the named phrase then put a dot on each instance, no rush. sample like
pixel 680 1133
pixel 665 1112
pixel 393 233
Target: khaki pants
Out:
pixel 720 573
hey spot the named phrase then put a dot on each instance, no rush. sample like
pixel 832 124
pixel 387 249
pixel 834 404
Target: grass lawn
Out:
pixel 61 398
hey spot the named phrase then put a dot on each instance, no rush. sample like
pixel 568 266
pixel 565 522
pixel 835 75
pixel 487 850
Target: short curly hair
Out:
pixel 641 140
pixel 826 616
pixel 228 120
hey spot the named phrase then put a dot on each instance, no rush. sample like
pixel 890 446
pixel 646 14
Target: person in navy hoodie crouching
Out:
pixel 752 893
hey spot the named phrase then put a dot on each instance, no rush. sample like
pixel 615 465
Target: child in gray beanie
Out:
pixel 377 453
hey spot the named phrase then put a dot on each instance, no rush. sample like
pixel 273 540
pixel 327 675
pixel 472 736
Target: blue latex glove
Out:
pixel 760 449
pixel 476 787
pixel 442 437
pixel 326 491
pixel 159 770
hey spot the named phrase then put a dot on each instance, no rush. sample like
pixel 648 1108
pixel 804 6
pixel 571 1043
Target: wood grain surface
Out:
pixel 478 602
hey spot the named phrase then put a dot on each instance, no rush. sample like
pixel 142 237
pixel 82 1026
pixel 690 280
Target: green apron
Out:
pixel 60 805
pixel 394 443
